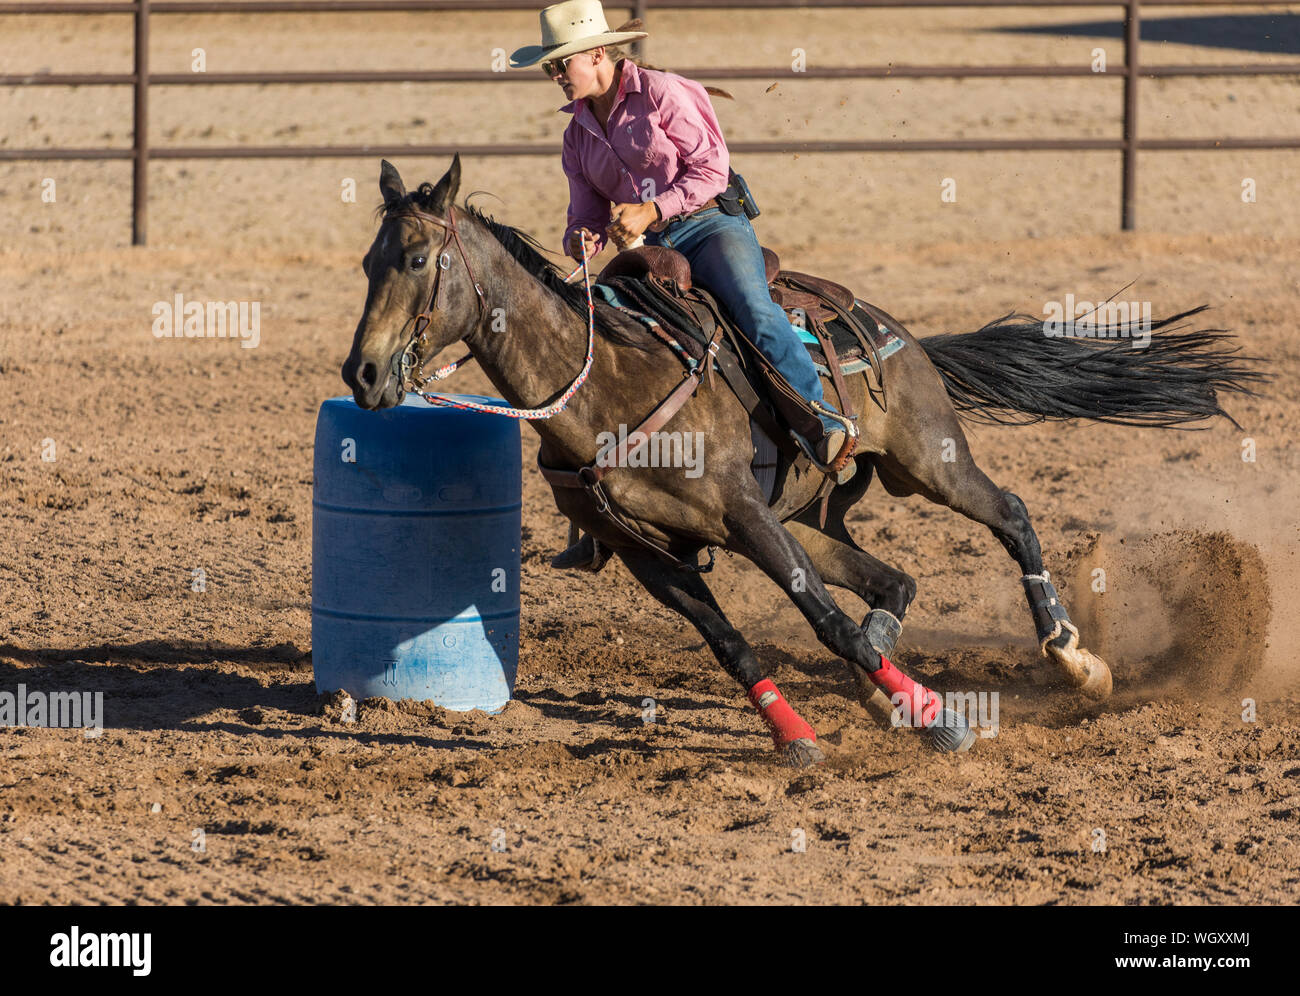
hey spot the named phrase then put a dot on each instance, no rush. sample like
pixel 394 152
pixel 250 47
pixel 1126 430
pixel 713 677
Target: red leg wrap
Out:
pixel 919 705
pixel 786 724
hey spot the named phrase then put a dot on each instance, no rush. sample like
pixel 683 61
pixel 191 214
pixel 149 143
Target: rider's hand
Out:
pixel 576 241
pixel 629 221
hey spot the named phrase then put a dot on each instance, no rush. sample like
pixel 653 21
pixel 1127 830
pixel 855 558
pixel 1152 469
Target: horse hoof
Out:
pixel 1085 670
pixel 950 733
pixel 882 711
pixel 803 753
pixel 1099 684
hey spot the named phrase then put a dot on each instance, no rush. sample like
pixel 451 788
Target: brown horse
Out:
pixel 477 281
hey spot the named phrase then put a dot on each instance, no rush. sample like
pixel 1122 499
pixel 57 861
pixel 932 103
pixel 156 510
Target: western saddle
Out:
pixel 661 276
pixel 813 303
pixel 669 264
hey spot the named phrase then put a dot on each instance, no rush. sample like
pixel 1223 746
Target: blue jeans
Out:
pixel 726 259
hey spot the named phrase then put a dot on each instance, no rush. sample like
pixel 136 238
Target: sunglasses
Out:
pixel 554 67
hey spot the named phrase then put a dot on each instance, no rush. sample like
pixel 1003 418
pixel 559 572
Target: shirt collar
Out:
pixel 629 82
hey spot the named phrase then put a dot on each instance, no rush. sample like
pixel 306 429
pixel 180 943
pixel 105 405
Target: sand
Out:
pixel 221 778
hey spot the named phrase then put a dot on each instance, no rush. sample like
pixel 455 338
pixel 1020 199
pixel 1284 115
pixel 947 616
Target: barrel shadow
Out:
pixel 147 687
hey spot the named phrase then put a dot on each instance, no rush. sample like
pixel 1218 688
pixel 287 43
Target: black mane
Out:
pixel 611 324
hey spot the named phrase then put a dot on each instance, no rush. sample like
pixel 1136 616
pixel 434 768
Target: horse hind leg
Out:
pixel 959 484
pixel 687 594
pixel 1057 635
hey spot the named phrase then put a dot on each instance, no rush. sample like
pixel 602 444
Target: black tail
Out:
pixel 1012 372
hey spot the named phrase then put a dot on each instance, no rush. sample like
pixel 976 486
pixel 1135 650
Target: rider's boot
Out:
pixel 588 554
pixel 828 447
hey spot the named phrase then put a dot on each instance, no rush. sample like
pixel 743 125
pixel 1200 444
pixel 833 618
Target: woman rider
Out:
pixel 649 143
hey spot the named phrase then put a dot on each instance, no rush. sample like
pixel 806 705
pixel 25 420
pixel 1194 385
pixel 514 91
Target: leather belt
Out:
pixel 659 226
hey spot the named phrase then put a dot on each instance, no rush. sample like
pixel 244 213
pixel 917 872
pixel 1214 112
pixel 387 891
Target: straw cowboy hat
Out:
pixel 569 27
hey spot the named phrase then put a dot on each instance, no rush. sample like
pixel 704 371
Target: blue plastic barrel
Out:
pixel 415 553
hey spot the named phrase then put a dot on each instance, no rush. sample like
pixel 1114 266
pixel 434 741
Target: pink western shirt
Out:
pixel 664 144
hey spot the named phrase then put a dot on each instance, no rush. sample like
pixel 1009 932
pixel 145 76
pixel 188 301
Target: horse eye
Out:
pixel 418 263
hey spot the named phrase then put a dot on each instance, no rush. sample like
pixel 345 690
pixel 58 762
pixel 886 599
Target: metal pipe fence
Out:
pixel 1128 144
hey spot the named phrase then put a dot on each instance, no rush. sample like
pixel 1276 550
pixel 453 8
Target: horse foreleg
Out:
pixel 757 534
pixel 686 593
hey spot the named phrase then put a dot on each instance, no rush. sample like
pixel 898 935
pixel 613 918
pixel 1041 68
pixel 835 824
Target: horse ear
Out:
pixel 445 192
pixel 390 182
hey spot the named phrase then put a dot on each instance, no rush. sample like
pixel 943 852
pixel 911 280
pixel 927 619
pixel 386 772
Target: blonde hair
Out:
pixel 617 53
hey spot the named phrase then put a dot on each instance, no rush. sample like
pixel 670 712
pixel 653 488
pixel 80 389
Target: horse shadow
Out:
pixel 626 714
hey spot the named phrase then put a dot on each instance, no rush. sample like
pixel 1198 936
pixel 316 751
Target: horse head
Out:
pixel 422 294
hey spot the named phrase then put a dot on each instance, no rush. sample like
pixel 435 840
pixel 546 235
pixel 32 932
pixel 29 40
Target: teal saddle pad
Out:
pixel 842 337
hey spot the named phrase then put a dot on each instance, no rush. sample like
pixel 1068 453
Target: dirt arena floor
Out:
pixel 172 455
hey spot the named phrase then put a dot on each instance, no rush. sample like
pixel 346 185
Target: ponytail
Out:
pixel 616 54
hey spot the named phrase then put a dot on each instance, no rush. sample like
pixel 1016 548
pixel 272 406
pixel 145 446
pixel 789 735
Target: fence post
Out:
pixel 1132 43
pixel 638 46
pixel 140 176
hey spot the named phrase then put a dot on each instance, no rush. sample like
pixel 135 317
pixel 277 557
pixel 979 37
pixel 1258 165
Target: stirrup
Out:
pixel 588 554
pixel 841 460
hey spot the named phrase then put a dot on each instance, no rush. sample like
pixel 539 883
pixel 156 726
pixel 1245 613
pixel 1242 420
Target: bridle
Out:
pixel 589 476
pixel 406 363
pixel 408 368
